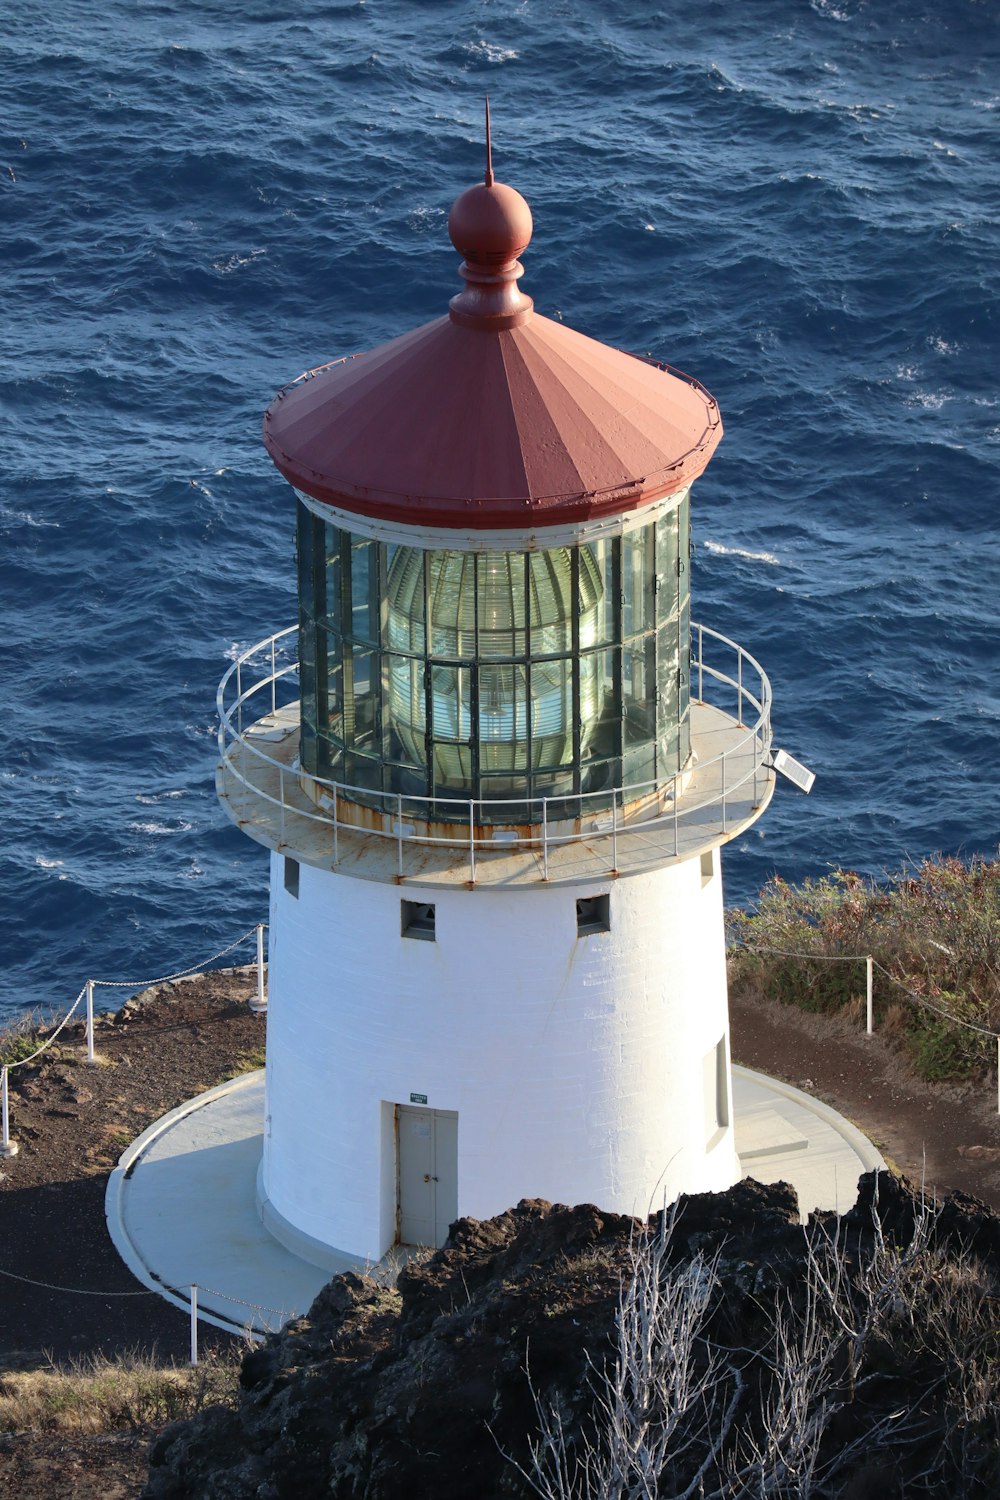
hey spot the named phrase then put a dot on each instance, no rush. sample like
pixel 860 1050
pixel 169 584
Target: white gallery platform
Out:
pixel 182 1203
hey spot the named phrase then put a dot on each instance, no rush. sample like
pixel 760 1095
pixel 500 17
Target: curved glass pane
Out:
pixel 496 675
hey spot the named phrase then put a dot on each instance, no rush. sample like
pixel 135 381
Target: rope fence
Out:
pixel 9 1147
pixel 281 1314
pixel 871 964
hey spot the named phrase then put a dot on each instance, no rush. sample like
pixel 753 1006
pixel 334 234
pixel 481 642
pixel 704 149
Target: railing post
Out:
pixel 91 1058
pixel 274 685
pixel 676 814
pixel 336 827
pixel 259 1005
pixel 281 808
pixel 869 966
pixel 739 685
pixel 545 838
pixel 724 791
pixel 701 656
pixel 614 833
pixel 472 843
pixel 7 1146
pixel 399 834
pixel 194 1324
pixel 239 697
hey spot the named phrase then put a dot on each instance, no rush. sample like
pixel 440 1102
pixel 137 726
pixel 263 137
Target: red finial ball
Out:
pixel 490 226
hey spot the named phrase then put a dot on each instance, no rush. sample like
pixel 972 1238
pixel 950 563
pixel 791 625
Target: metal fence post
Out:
pixel 7 1146
pixel 869 976
pixel 259 1005
pixel 545 838
pixel 472 843
pixel 194 1324
pixel 399 834
pixel 90 1022
pixel 614 833
pixel 724 827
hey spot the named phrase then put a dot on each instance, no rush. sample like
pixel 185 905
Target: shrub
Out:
pixel 934 933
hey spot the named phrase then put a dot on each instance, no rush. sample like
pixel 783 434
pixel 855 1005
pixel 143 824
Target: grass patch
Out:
pixel 245 1062
pixel 934 931
pixel 97 1395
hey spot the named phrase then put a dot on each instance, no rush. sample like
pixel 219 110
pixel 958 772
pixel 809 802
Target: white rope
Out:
pixel 76 1291
pixel 834 958
pixel 48 1043
pixel 141 984
pixel 861 958
pixel 281 1313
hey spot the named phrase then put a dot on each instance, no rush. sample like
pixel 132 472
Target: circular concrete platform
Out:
pixel 182 1204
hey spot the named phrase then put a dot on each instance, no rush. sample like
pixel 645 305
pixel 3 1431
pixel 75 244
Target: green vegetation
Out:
pixel 934 933
pixel 98 1395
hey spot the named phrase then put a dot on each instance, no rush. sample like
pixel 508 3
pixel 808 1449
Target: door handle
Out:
pixel 429 1178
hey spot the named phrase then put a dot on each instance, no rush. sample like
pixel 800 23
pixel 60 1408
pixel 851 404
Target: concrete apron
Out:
pixel 182 1203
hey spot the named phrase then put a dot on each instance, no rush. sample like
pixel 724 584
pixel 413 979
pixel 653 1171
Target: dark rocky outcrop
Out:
pixel 421 1390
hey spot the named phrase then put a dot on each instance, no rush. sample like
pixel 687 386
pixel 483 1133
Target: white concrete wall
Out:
pixel 576 1064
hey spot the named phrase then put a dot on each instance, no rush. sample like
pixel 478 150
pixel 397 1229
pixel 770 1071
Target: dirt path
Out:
pixel 946 1137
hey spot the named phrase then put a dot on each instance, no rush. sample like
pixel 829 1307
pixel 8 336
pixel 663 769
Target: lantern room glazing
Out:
pixel 501 677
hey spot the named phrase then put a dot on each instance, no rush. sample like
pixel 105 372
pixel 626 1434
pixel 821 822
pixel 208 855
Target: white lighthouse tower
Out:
pixel 495 764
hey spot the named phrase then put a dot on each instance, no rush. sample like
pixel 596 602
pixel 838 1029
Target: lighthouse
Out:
pixel 495 763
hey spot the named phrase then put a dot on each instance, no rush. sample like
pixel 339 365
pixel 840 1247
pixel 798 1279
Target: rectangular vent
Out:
pixel 292 876
pixel 593 914
pixel 417 920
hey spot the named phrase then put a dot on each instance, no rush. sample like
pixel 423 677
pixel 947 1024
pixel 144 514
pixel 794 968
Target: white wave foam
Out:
pixel 721 550
pixel 489 52
pixel 236 261
pixel 941 345
pixel 48 864
pixel 940 146
pixel 24 518
pixel 930 400
pixel 159 829
pixel 149 799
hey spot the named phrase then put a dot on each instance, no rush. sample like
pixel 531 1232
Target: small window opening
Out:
pixel 593 914
pixel 716 1078
pixel 417 920
pixel 292 876
pixel 707 866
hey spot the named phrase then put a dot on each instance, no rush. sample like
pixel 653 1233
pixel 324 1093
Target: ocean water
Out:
pixel 797 202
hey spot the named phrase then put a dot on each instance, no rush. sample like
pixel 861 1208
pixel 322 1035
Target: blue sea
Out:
pixel 797 202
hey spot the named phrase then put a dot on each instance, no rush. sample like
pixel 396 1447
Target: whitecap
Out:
pixel 48 864
pixel 489 52
pixel 24 518
pixel 236 261
pixel 722 550
pixel 930 400
pixel 159 829
pixel 148 799
pixel 940 146
pixel 941 345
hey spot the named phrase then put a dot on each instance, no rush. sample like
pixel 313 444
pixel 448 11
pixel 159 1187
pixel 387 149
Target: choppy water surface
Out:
pixel 796 202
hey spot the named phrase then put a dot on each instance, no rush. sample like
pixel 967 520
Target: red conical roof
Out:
pixel 492 417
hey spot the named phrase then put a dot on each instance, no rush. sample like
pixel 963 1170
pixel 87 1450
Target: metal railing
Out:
pixel 263 680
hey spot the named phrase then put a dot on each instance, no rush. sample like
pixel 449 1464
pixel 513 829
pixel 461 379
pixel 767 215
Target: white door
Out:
pixel 428 1174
